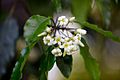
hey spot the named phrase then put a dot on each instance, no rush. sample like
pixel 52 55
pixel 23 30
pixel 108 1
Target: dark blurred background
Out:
pixel 14 13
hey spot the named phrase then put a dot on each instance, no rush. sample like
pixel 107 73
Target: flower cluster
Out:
pixel 64 39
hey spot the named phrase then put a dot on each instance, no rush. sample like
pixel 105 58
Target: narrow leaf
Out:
pixel 17 71
pixel 65 65
pixel 101 31
pixel 90 63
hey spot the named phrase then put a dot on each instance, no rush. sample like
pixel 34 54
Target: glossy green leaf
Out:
pixel 90 63
pixel 80 9
pixel 46 62
pixel 17 71
pixel 65 65
pixel 107 34
pixel 34 26
pixel 51 59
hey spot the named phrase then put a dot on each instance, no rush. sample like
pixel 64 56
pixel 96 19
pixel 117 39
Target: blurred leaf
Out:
pixel 90 63
pixel 105 6
pixel 65 65
pixel 80 9
pixel 42 7
pixel 57 5
pixel 17 71
pixel 46 62
pixel 34 26
pixel 101 31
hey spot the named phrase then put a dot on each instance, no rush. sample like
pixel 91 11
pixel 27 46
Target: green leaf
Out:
pixel 65 65
pixel 17 71
pixel 51 59
pixel 46 62
pixel 57 5
pixel 80 9
pixel 43 76
pixel 90 63
pixel 101 31
pixel 34 26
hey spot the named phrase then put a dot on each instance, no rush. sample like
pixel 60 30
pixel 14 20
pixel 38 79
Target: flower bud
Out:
pixel 81 31
pixel 42 34
pixel 72 19
pixel 48 29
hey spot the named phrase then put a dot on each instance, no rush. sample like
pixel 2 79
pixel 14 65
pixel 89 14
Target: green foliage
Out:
pixel 37 24
pixel 90 63
pixel 105 10
pixel 80 9
pixel 107 34
pixel 46 63
pixel 57 5
pixel 17 71
pixel 65 65
pixel 34 25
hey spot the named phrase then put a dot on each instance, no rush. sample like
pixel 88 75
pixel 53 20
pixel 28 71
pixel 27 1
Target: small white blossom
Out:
pixel 48 40
pixel 58 40
pixel 77 40
pixel 62 20
pixel 48 29
pixel 56 52
pixel 42 34
pixel 66 47
pixel 73 49
pixel 81 31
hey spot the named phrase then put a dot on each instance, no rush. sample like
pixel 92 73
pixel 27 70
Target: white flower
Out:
pixel 81 31
pixel 48 40
pixel 77 40
pixel 72 19
pixel 62 20
pixel 66 46
pixel 56 52
pixel 48 29
pixel 42 34
pixel 73 49
pixel 58 40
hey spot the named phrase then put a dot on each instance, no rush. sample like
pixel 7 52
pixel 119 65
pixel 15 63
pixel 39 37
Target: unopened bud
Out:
pixel 72 19
pixel 42 34
pixel 81 31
